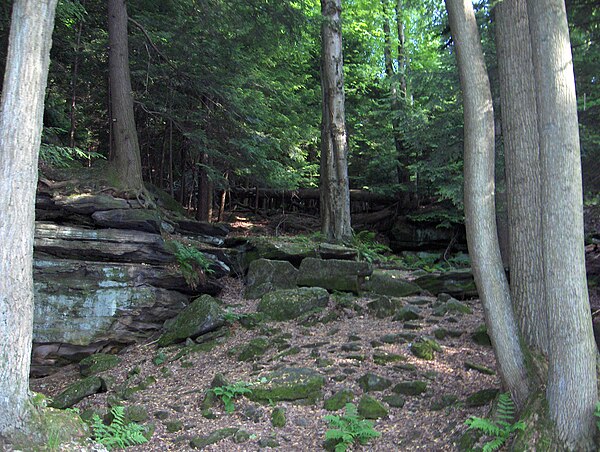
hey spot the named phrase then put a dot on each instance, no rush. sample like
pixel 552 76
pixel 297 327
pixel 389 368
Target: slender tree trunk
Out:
pixel 21 112
pixel 571 391
pixel 334 184
pixel 126 156
pixel 521 150
pixel 74 76
pixel 480 212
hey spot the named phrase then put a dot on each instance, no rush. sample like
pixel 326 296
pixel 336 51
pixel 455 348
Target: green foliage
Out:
pixel 192 263
pixel 232 317
pixel 597 414
pixel 369 249
pixel 349 428
pixel 228 393
pixel 500 429
pixel 159 359
pixel 117 434
pixel 65 157
pixel 433 262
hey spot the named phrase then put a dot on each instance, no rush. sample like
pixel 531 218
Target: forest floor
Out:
pixel 343 350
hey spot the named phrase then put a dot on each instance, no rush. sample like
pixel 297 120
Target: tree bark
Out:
pixel 521 150
pixel 334 184
pixel 126 157
pixel 480 213
pixel 21 112
pixel 571 391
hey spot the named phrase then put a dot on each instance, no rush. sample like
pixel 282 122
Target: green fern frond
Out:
pixel 484 425
pixel 349 428
pixel 118 433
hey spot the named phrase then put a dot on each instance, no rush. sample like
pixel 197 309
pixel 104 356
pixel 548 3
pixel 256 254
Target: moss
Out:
pixel 339 400
pixel 284 305
pixel 97 363
pixel 412 388
pixel 425 348
pixel 289 384
pixel 278 418
pixel 371 382
pixel 383 359
pixel 77 392
pixel 371 408
pixel 254 349
pixel 201 442
pixel 481 398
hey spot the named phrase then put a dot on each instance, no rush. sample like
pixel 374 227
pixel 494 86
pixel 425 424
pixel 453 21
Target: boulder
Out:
pixel 202 316
pixel 285 305
pixel 412 388
pixel 371 408
pixel 289 384
pixel 268 275
pixel 278 248
pixel 425 348
pixel 457 283
pixel 333 274
pixel 333 251
pixel 76 392
pixel 390 282
pixel 97 363
pixel 88 203
pixel 372 382
pixel 147 220
pixel 338 400
pixel 384 306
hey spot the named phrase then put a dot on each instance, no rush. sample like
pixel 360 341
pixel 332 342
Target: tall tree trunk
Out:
pixel 75 74
pixel 571 390
pixel 480 213
pixel 21 112
pixel 334 185
pixel 521 150
pixel 126 156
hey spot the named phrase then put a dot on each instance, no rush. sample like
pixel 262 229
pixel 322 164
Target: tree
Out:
pixel 334 186
pixel 21 112
pixel 480 211
pixel 558 319
pixel 572 392
pixel 126 158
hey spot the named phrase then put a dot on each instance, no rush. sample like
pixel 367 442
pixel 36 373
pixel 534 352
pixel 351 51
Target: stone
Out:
pixel 269 442
pixel 457 283
pixel 146 220
pixel 88 203
pixel 97 363
pixel 76 392
pixel 333 251
pixel 372 382
pixel 173 426
pixel 278 418
pixel 241 436
pixel 200 442
pixel 395 400
pixel 383 359
pixel 202 316
pixel 481 337
pixel 410 388
pixel 479 368
pixel 371 408
pixel 135 413
pixel 265 276
pixel 253 413
pixel 289 384
pixel 161 415
pixel 351 347
pixel 443 401
pixel 254 349
pixel 481 398
pixel 278 248
pixel 333 274
pixel 290 304
pixel 338 400
pixel 425 348
pixel 408 313
pixel 384 306
pixel 390 282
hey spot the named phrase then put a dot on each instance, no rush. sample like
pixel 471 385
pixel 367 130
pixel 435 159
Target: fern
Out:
pixel 500 429
pixel 118 434
pixel 597 414
pixel 228 393
pixel 349 429
pixel 369 249
pixel 192 263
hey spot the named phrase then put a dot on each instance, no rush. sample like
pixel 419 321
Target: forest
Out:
pixel 345 224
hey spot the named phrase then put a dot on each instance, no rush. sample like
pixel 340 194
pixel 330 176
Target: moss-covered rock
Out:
pixel 372 382
pixel 338 400
pixel 479 368
pixel 383 359
pixel 333 274
pixel 395 400
pixel 241 436
pixel 49 429
pixel 458 283
pixel 444 401
pixel 174 426
pixel 279 248
pixel 383 306
pixel 481 398
pixel 411 388
pixel 200 442
pixel 76 392
pixel 425 348
pixel 390 282
pixel 135 413
pixel 289 384
pixel 285 305
pixel 480 336
pixel 407 313
pixel 371 408
pixel 97 363
pixel 265 276
pixel 202 316
pixel 278 418
pixel 254 349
